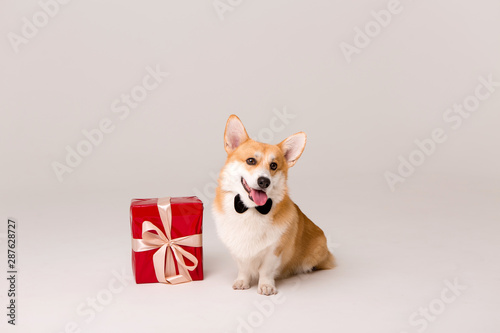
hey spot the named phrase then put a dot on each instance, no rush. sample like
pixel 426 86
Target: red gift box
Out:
pixel 166 239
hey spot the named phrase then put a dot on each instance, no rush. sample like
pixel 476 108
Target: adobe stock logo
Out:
pixel 363 37
pixel 223 6
pixel 425 315
pixel 265 308
pixel 122 107
pixel 277 124
pixel 89 309
pixel 30 27
pixel 454 116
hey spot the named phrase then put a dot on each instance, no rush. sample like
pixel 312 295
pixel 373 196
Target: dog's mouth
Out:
pixel 257 196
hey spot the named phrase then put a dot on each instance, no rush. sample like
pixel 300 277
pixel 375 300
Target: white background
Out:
pixel 395 249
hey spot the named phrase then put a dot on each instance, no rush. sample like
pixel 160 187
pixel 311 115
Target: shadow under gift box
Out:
pixel 187 219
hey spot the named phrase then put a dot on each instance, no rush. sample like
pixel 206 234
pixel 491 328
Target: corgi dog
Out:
pixel 266 233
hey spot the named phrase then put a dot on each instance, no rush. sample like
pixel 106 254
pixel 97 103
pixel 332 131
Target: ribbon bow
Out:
pixel 167 247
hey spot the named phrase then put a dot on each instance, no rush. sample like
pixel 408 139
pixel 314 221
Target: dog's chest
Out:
pixel 248 234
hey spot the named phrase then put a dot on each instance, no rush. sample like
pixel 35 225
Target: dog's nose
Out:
pixel 263 182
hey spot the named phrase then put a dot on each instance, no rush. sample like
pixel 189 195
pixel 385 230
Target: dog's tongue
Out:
pixel 259 197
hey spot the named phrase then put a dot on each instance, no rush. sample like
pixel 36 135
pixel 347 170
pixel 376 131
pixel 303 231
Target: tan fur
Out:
pixel 302 247
pixel 241 154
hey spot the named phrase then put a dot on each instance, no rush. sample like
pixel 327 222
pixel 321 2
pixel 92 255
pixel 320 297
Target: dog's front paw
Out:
pixel 241 285
pixel 267 289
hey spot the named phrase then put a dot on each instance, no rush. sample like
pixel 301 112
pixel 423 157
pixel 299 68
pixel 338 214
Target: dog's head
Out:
pixel 254 170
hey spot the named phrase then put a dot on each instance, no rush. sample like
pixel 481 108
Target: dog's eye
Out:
pixel 251 161
pixel 273 166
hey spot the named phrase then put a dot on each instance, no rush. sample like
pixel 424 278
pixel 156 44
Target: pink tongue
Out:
pixel 259 197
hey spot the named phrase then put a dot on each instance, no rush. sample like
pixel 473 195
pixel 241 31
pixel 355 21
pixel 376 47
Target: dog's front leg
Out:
pixel 242 282
pixel 267 272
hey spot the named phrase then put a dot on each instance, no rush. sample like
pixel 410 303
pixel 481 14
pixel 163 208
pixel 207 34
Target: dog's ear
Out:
pixel 293 146
pixel 235 134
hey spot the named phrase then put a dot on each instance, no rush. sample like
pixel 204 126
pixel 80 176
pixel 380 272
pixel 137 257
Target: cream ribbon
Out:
pixel 163 258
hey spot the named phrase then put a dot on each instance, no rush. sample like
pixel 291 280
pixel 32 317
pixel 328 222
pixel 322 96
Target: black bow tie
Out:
pixel 240 207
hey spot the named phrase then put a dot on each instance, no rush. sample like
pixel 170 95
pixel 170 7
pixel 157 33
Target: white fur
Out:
pixel 231 182
pixel 246 235
pixel 250 237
